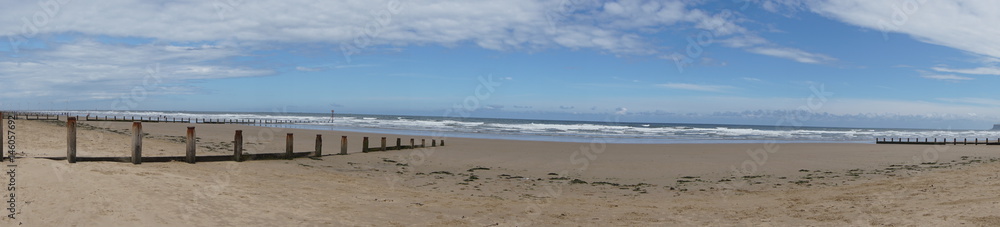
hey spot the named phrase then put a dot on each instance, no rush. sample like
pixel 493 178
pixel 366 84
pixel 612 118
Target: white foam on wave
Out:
pixel 578 129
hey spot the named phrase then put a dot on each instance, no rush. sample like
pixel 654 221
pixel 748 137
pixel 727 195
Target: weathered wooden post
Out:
pixel 976 142
pixel 191 146
pixel 398 144
pixel 383 144
pixel 965 141
pixel 2 120
pixel 434 143
pixel 412 144
pixel 423 142
pixel 288 146
pixel 364 145
pixel 238 146
pixel 442 143
pixel 70 139
pixel 319 146
pixel 137 142
pixel 343 145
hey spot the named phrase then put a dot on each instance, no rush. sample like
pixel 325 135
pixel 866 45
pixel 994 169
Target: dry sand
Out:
pixel 479 182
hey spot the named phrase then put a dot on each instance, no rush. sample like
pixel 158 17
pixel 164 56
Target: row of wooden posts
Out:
pixel 28 116
pixel 194 120
pixel 191 156
pixel 37 116
pixel 954 141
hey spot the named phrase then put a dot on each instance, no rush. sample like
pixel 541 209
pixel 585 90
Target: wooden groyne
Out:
pixel 190 153
pixel 20 115
pixel 938 141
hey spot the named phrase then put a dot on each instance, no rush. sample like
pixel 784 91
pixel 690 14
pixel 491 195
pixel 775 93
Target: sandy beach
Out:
pixel 482 182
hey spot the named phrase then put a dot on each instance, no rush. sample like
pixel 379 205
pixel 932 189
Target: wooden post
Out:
pixel 191 145
pixel 442 143
pixel 434 143
pixel 238 146
pixel 70 139
pixel 364 145
pixel 343 145
pixel 319 146
pixel 954 141
pixel 977 142
pixel 288 146
pixel 412 145
pixel 398 144
pixel 136 142
pixel 383 144
pixel 423 143
pixel 2 141
pixel 965 141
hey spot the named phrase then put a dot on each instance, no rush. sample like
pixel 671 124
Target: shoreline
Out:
pixel 575 131
pixel 693 164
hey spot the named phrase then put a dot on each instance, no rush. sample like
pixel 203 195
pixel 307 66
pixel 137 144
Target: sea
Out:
pixel 562 131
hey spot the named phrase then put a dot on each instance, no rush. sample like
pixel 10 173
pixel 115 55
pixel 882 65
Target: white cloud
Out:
pixel 497 25
pixel 791 53
pixel 758 45
pixel 310 69
pixel 977 71
pixel 617 27
pixel 696 87
pixel 621 110
pixel 965 25
pixel 743 41
pixel 91 70
pixel 947 77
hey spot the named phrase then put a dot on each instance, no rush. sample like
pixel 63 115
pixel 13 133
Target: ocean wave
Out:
pixel 561 128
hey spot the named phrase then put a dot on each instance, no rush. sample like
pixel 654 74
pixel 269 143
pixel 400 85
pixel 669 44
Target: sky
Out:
pixel 845 63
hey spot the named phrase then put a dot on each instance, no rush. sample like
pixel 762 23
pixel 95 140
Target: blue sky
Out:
pixel 849 63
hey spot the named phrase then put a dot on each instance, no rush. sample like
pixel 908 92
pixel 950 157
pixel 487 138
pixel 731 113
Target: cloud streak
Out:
pixel 92 70
pixel 962 25
pixel 947 77
pixel 977 71
pixel 696 87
